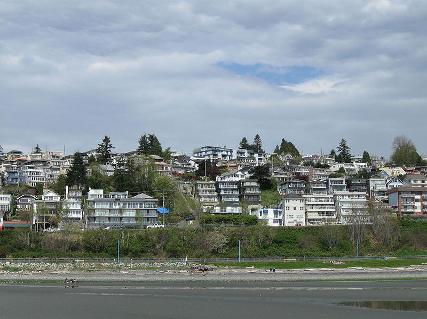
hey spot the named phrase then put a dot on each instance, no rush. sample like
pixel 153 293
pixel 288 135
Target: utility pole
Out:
pixel 239 251
pixel 163 206
pixel 118 250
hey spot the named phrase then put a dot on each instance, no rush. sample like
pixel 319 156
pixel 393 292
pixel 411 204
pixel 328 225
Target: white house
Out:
pixel 293 210
pixel 349 204
pixel 271 216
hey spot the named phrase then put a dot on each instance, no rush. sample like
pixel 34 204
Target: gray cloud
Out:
pixel 71 72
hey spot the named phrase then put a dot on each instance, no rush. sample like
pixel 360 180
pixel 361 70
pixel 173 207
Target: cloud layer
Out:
pixel 73 71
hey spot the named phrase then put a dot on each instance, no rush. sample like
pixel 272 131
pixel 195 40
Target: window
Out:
pixel 295 208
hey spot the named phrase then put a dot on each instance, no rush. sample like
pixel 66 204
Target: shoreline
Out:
pixel 219 275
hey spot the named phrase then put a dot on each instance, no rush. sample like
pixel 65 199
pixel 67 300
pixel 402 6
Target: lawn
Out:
pixel 326 264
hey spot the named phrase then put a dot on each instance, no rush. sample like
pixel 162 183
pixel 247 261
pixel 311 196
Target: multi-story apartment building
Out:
pixel 409 200
pixel 47 209
pixel 336 185
pixel 416 180
pixel 213 153
pixel 320 209
pixel 71 210
pixel 294 186
pixel 293 206
pixel 207 195
pixel 250 191
pixel 357 185
pixel 318 187
pixel 119 210
pixel 378 188
pixel 350 205
pixel 229 192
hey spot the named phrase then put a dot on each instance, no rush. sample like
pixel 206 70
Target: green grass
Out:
pixel 270 198
pixel 326 264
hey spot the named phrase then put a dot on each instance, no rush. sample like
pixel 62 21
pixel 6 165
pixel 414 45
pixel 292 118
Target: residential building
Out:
pixel 357 185
pixel 409 200
pixel 47 210
pixel 318 187
pixel 336 185
pixel 378 188
pixel 71 210
pixel 227 210
pixel 271 216
pixel 213 153
pixel 294 186
pixel 229 192
pixel 207 194
pixel 26 202
pixel 293 206
pixel 250 191
pixel 320 209
pixel 5 203
pixel 119 210
pixel 350 204
pixel 416 180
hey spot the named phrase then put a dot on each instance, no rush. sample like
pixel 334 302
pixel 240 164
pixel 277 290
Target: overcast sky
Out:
pixel 209 72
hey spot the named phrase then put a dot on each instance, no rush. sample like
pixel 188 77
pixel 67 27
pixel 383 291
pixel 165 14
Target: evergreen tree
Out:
pixel 104 150
pixel 288 148
pixel 333 154
pixel 257 145
pixel 366 158
pixel 277 149
pixel 155 146
pixel 76 175
pixel 405 153
pixel 37 149
pixel 244 144
pixel 344 155
pixel 150 145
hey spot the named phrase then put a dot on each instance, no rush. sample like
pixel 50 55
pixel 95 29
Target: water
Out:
pixel 389 305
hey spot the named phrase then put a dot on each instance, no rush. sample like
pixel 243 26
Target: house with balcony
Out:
pixel 294 186
pixel 5 206
pixel 378 189
pixel 409 200
pixel 357 185
pixel 213 153
pixel 416 180
pixel 121 211
pixel 351 206
pixel 250 191
pixel 270 216
pixel 318 187
pixel 47 210
pixel 229 192
pixel 207 195
pixel 320 209
pixel 337 184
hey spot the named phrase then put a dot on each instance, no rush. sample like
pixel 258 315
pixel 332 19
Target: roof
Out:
pixel 416 176
pixel 143 196
pixel 407 188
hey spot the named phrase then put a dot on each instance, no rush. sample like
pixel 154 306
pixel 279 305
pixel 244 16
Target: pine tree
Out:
pixel 37 149
pixel 143 146
pixel 244 144
pixel 277 149
pixel 288 148
pixel 344 155
pixel 104 150
pixel 155 146
pixel 257 145
pixel 366 158
pixel 76 175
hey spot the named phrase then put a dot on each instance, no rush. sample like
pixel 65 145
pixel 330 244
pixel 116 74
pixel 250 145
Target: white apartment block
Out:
pixel 293 210
pixel 350 204
pixel 336 185
pixel 320 209
pixel 214 153
pixel 378 188
pixel 72 209
pixel 207 195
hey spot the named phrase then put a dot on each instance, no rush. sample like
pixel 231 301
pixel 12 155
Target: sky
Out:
pixel 210 72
